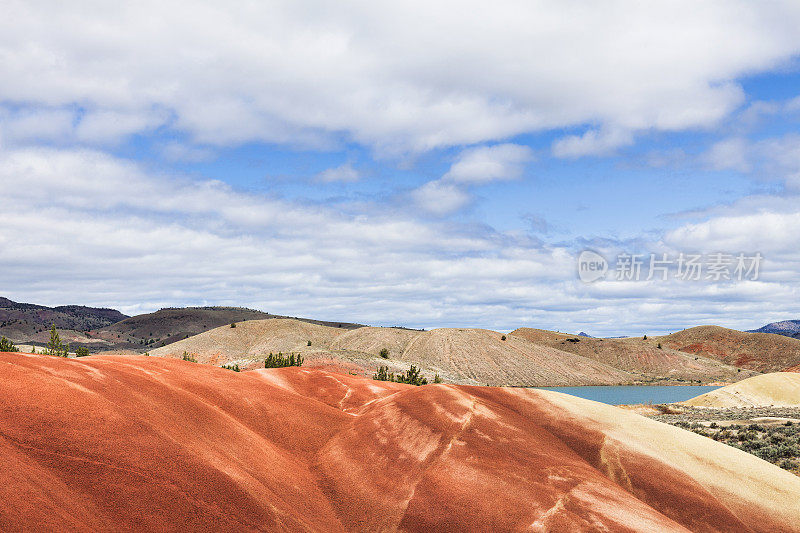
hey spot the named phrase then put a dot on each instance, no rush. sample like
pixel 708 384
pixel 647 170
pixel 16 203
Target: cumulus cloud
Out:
pixel 124 237
pixel 489 163
pixel 343 173
pixel 592 143
pixel 306 73
pixel 440 198
pixel 728 154
pixel 473 166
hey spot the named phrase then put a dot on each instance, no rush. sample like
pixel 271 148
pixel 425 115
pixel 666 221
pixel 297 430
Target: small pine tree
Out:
pixel 437 379
pixel 384 353
pixel 7 346
pixel 644 338
pixel 233 324
pixel 55 347
pixel 309 343
pixel 503 338
pixel 187 357
pixel 659 346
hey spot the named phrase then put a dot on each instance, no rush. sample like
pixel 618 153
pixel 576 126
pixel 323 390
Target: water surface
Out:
pixel 627 394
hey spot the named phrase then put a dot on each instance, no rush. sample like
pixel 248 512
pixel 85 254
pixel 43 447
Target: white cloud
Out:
pixel 592 143
pixel 407 76
pixel 176 151
pixel 440 198
pixel 35 125
pixel 122 237
pixel 110 126
pixel 728 154
pixel 489 163
pixel 781 156
pixel 344 174
pixel 473 166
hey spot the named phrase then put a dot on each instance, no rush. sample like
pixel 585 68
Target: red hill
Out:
pixel 137 443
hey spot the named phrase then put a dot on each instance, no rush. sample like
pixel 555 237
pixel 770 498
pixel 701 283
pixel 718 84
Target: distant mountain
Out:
pixel 787 328
pixel 21 321
pixel 110 330
pixel 582 334
pixel 165 326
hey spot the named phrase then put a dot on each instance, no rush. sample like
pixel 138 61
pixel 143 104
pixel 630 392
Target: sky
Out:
pixel 404 163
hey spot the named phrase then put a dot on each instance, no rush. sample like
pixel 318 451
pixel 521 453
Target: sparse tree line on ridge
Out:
pixel 282 361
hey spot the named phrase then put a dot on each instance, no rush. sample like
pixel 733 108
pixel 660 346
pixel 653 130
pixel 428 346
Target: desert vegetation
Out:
pixel 412 376
pixel 281 361
pixel 770 433
pixel 187 357
pixel 778 444
pixel 55 346
pixel 233 367
pixel 7 346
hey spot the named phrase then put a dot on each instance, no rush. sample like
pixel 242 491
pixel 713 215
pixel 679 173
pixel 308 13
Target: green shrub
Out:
pixel 235 368
pixel 81 351
pixel 233 324
pixel 309 343
pixel 503 338
pixel 437 379
pixel 187 357
pixel 384 353
pixel 383 374
pixel 411 376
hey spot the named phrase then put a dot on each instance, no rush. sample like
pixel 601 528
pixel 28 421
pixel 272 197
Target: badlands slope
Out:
pixel 144 443
pixel 637 356
pixel 778 389
pixel 469 356
pixel 764 352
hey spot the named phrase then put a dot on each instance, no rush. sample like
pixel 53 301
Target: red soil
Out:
pixel 139 443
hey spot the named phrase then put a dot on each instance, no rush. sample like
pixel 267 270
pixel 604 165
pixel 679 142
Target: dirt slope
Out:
pixel 482 355
pixel 472 356
pixel 779 389
pixel 637 356
pixel 137 443
pixel 765 352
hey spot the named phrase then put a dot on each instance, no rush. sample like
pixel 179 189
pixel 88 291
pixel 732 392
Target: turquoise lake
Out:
pixel 627 394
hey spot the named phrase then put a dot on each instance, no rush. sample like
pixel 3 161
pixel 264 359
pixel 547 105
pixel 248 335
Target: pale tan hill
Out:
pixel 483 356
pixel 637 356
pixel 252 340
pixel 189 447
pixel 764 352
pixel 373 340
pixel 469 356
pixel 778 389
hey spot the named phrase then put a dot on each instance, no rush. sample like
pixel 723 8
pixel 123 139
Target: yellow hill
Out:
pixel 779 389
